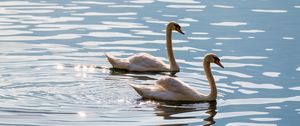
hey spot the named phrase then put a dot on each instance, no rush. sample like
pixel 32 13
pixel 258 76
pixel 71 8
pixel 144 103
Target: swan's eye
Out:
pixel 216 59
pixel 177 27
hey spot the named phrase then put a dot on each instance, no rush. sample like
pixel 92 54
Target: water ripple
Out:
pixel 188 20
pixel 105 14
pixel 232 73
pixel 147 32
pixel 295 88
pixel 269 11
pixel 228 38
pixel 112 34
pixel 238 114
pixel 223 6
pixel 249 124
pixel 33 38
pixel 273 107
pixel 3 11
pixel 187 6
pixel 256 86
pixel 240 64
pixel 13 32
pixel 22 3
pixel 298 69
pixel 246 91
pixel 180 1
pixel 258 101
pixel 271 74
pixel 252 31
pixel 30 19
pixel 288 38
pixel 243 57
pixel 126 6
pixel 199 38
pixel 112 24
pixel 192 49
pixel 93 2
pixel 18 47
pixel 200 33
pixel 265 119
pixel 50 7
pixel 229 23
pixel 141 1
pixel 13 26
pixel 59 27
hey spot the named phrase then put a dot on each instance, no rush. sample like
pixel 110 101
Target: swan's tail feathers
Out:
pixel 117 62
pixel 142 90
pixel 137 88
pixel 111 59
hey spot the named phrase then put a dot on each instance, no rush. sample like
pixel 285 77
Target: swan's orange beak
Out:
pixel 179 30
pixel 219 63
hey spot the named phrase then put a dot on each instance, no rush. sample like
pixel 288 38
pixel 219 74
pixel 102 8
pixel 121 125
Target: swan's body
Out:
pixel 138 62
pixel 172 89
pixel 146 62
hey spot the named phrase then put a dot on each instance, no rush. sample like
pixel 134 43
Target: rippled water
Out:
pixel 53 71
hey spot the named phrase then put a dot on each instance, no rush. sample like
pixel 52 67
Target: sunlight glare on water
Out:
pixel 81 114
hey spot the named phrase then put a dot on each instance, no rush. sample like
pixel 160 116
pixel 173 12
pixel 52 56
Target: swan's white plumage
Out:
pixel 168 88
pixel 138 62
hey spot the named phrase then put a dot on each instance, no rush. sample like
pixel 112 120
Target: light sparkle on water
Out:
pixel 81 114
pixel 59 66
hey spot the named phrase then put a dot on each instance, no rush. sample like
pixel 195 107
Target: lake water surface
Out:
pixel 53 70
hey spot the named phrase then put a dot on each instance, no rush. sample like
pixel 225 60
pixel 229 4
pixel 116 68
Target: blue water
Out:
pixel 53 70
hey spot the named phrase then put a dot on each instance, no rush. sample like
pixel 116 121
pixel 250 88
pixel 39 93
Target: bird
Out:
pixel 143 62
pixel 173 89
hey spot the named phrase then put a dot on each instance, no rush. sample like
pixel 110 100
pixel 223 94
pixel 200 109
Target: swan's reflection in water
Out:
pixel 185 110
pixel 211 114
pixel 168 109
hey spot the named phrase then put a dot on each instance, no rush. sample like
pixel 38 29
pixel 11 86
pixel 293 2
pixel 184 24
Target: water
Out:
pixel 51 52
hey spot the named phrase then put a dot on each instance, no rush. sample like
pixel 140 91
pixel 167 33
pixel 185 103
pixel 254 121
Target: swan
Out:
pixel 143 62
pixel 172 89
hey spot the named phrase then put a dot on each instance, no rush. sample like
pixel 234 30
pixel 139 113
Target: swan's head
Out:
pixel 175 26
pixel 212 58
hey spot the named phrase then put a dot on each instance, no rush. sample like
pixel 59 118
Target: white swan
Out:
pixel 172 89
pixel 146 62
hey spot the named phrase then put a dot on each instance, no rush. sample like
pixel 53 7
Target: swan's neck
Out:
pixel 173 64
pixel 213 89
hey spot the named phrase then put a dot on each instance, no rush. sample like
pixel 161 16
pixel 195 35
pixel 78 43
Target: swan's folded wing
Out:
pixel 169 89
pixel 146 61
pixel 176 86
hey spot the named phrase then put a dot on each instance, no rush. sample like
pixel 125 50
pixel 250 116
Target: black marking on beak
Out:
pixel 178 28
pixel 217 61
